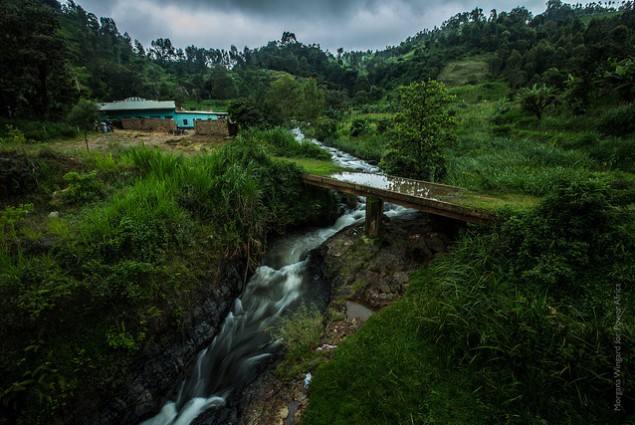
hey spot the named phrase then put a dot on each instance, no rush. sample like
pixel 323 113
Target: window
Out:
pixel 184 122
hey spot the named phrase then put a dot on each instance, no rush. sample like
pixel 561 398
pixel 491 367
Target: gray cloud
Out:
pixel 351 24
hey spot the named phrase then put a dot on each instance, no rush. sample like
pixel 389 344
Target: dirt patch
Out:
pixel 121 139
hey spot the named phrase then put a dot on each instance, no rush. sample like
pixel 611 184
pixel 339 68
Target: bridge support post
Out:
pixel 374 215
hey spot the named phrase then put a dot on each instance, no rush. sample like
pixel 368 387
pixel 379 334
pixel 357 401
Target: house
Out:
pixel 142 114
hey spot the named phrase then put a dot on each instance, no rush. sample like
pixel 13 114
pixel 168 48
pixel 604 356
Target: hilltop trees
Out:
pixel 421 129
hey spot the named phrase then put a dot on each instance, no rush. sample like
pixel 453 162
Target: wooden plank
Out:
pixel 430 205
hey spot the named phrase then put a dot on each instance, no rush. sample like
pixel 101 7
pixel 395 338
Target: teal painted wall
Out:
pixel 182 119
pixel 186 119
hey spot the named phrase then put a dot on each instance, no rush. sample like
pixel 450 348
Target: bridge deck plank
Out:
pixel 428 204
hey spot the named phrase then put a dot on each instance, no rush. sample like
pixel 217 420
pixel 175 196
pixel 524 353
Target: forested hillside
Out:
pixel 54 54
pixel 103 256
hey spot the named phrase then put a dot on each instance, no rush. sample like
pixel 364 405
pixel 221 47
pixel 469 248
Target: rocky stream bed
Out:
pixel 365 275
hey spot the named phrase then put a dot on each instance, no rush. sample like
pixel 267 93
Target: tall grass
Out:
pixel 281 142
pixel 497 165
pixel 516 325
pixel 368 147
pixel 114 274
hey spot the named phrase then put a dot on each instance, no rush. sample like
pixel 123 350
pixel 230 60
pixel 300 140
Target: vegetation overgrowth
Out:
pixel 517 324
pixel 526 322
pixel 135 235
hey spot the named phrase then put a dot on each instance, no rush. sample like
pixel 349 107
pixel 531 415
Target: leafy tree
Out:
pixel 312 102
pixel 536 99
pixel 288 37
pixel 622 77
pixel 282 100
pixel 221 84
pixel 162 51
pixel 245 113
pixel 420 130
pixel 83 115
pixel 33 58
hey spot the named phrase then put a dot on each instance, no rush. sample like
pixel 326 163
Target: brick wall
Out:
pixel 148 124
pixel 211 127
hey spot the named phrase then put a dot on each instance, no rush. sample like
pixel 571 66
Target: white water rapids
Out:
pixel 242 343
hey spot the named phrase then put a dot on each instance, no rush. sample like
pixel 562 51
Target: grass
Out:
pixel 477 93
pixel 315 166
pixel 478 337
pixel 514 325
pixel 466 71
pixel 385 374
pixel 493 203
pixel 368 147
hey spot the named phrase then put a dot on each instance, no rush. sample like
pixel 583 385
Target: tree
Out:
pixel 162 51
pixel 83 115
pixel 536 99
pixel 33 58
pixel 288 37
pixel 420 130
pixel 312 105
pixel 245 113
pixel 282 100
pixel 622 78
pixel 221 84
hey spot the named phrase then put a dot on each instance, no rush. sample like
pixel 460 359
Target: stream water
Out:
pixel 282 282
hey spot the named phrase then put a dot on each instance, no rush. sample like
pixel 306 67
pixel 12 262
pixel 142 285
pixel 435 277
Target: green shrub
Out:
pixel 300 335
pixel 10 219
pixel 618 121
pixel 325 129
pixel 82 188
pixel 358 128
pixel 39 131
pixel 282 143
pixel 12 137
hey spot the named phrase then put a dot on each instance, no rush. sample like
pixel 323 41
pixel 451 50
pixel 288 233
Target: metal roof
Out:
pixel 137 104
pixel 202 112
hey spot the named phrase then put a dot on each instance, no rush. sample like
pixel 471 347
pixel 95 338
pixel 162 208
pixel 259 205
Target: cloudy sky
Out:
pixel 350 24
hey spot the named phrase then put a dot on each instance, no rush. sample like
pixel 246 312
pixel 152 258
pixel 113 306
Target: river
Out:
pixel 283 282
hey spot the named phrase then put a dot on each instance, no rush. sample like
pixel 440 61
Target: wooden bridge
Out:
pixel 417 194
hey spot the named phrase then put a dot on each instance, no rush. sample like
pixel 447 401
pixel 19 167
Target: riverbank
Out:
pixel 112 266
pixel 365 275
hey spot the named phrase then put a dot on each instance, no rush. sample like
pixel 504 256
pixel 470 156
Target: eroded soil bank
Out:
pixel 364 274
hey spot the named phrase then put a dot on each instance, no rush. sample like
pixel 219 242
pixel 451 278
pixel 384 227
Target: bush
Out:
pixel 325 129
pixel 618 122
pixel 40 131
pixel 281 142
pixel 359 128
pixel 82 188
